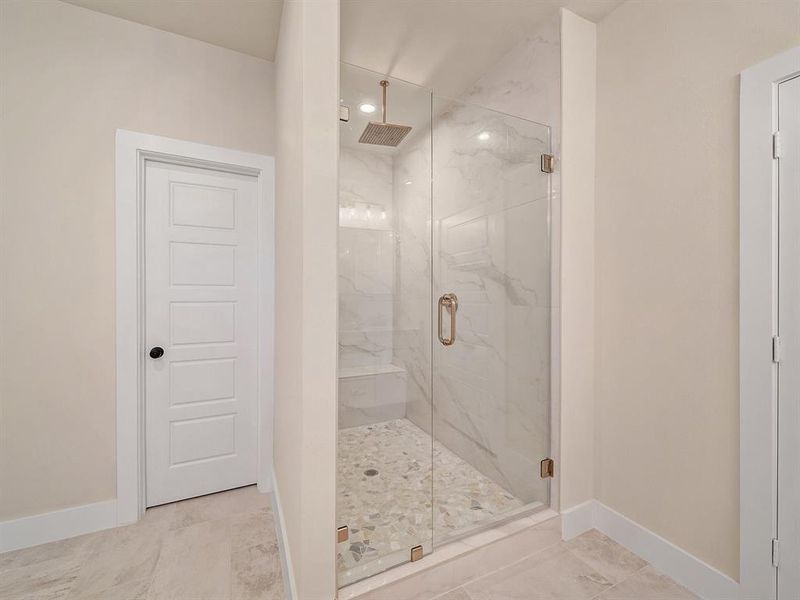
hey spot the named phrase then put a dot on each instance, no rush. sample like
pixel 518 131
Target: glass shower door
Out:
pixel 384 454
pixel 491 305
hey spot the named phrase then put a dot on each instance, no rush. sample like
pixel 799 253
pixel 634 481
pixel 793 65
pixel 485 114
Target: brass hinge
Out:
pixel 548 163
pixel 342 534
pixel 776 555
pixel 416 553
pixel 547 468
pixel 776 349
pixel 776 144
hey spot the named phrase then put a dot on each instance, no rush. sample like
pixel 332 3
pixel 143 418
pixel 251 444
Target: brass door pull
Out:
pixel 449 301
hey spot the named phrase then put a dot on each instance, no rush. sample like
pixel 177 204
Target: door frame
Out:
pixel 133 151
pixel 758 321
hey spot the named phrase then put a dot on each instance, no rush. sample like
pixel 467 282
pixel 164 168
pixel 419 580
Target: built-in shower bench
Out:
pixel 371 394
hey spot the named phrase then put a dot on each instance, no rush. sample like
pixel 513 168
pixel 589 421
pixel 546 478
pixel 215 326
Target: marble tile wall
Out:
pixel 366 259
pixel 367 392
pixel 491 232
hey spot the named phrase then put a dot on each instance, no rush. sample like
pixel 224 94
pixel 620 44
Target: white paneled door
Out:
pixel 788 550
pixel 201 332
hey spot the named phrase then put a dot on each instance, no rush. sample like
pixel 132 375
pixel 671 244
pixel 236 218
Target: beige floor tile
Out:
pixel 256 574
pixel 160 516
pixel 195 562
pixel 44 580
pixel 456 594
pixel 553 574
pixel 252 529
pixel 648 584
pixel 604 555
pixel 218 547
pixel 122 555
pixel 218 506
pixel 69 548
pixel 132 590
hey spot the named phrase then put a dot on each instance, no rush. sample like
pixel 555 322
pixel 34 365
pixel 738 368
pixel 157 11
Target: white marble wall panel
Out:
pixel 491 230
pixel 371 398
pixel 412 306
pixel 366 259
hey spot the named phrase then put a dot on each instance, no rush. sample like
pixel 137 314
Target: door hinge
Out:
pixel 547 468
pixel 416 553
pixel 344 113
pixel 776 349
pixel 776 556
pixel 342 534
pixel 776 144
pixel 548 163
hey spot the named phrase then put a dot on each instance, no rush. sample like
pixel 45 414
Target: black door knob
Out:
pixel 156 352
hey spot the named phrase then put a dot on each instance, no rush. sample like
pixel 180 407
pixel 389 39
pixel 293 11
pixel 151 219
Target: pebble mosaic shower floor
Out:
pixel 384 491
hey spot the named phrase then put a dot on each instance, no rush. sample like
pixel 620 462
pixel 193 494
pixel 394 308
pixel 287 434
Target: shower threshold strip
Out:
pixel 538 517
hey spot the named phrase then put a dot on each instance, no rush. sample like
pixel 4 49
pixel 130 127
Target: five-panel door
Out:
pixel 201 331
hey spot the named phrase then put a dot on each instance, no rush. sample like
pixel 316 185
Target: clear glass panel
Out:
pixel 384 475
pixel 491 239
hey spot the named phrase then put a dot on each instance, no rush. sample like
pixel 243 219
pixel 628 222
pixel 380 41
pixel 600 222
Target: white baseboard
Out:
pixel 283 543
pixel 688 570
pixel 578 519
pixel 57 525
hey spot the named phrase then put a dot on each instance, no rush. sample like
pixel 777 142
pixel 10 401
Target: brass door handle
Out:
pixel 449 301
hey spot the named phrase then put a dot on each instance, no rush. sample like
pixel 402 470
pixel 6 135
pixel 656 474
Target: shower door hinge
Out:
pixel 776 556
pixel 776 349
pixel 342 534
pixel 344 113
pixel 547 468
pixel 416 553
pixel 548 163
pixel 776 144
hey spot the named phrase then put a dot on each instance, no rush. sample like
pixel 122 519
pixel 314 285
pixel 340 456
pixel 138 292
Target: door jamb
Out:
pixel 133 150
pixel 758 321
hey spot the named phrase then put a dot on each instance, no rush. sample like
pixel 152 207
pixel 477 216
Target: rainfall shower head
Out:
pixel 383 133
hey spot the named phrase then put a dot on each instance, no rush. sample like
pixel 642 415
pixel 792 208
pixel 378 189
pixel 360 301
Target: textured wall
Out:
pixel 667 213
pixel 70 78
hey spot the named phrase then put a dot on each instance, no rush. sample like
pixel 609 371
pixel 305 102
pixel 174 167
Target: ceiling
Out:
pixel 445 44
pixel 442 44
pixel 249 26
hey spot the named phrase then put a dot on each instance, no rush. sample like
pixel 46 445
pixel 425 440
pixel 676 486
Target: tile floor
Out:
pixel 219 547
pixel 591 566
pixel 384 491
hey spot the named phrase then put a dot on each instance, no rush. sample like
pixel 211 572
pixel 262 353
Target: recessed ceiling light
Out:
pixel 367 108
pixel 483 135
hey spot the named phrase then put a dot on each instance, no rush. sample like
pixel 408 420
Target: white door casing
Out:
pixel 758 321
pixel 133 151
pixel 789 333
pixel 201 308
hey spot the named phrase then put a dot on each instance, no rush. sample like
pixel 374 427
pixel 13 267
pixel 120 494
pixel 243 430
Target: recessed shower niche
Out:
pixel 444 321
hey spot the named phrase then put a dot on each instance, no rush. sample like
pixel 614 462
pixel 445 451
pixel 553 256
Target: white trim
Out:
pixel 578 519
pixel 758 321
pixel 133 150
pixel 686 569
pixel 283 542
pixel 57 525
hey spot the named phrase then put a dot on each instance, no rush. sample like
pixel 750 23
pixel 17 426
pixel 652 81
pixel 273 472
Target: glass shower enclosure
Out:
pixel 444 321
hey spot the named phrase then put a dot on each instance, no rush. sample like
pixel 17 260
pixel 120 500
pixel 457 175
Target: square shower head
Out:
pixel 384 134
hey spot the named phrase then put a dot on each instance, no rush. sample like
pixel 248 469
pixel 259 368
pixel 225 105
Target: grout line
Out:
pixel 620 581
pixel 509 565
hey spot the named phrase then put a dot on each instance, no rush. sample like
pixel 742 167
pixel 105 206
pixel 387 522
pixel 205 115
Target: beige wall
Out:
pixel 667 262
pixel 70 78
pixel 578 67
pixel 306 218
